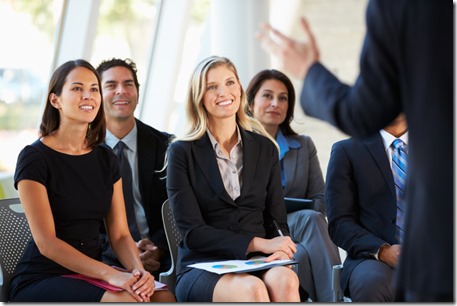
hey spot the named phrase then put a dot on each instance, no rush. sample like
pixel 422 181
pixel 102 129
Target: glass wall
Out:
pixel 126 29
pixel 166 38
pixel 26 56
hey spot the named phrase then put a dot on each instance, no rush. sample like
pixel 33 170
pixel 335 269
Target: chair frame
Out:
pixel 173 238
pixel 14 236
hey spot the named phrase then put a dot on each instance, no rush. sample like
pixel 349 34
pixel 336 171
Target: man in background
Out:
pixel 365 210
pixel 144 147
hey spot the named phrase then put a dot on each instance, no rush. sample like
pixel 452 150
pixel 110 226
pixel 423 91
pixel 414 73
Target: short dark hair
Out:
pixel 272 74
pixel 115 62
pixel 51 116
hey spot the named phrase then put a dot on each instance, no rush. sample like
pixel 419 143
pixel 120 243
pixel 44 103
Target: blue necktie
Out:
pixel 126 173
pixel 399 167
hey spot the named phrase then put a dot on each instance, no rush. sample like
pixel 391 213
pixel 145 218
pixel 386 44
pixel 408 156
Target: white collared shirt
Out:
pixel 387 139
pixel 231 166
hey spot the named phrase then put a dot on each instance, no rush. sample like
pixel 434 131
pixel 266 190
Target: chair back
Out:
pixel 14 236
pixel 173 239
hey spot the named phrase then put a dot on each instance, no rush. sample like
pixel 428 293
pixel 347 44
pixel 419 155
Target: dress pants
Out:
pixel 315 251
pixel 372 281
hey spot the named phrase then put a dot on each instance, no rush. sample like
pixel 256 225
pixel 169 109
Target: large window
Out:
pixel 26 55
pixel 125 29
pixel 166 38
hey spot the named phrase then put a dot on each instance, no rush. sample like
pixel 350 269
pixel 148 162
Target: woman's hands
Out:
pixel 280 247
pixel 139 283
pixel 145 285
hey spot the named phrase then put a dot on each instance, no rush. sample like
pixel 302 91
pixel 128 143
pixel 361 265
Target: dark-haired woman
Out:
pixel 69 183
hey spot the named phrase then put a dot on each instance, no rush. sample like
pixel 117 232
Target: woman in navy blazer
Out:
pixel 225 191
pixel 271 99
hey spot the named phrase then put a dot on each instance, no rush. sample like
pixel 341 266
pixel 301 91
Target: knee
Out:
pixel 254 290
pixel 281 281
pixel 376 287
pixel 288 280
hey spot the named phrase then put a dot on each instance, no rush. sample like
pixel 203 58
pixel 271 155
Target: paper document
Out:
pixel 241 266
pixel 102 284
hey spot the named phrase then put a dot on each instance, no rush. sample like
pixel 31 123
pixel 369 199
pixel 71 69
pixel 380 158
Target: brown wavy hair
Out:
pixel 51 117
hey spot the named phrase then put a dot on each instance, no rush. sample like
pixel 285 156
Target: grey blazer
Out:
pixel 303 172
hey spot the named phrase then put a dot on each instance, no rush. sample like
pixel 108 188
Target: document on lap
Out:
pixel 241 266
pixel 102 284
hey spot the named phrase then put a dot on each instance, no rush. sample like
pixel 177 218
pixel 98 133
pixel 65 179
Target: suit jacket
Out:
pixel 360 199
pixel 152 146
pixel 406 66
pixel 303 172
pixel 213 226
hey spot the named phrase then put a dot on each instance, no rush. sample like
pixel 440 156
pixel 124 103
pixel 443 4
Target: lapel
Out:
pixel 146 157
pixel 202 148
pixel 290 163
pixel 375 146
pixel 206 160
pixel 250 159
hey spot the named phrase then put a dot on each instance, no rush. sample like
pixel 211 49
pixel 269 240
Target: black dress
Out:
pixel 80 190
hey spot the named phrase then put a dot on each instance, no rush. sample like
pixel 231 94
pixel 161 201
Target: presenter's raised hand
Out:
pixel 294 56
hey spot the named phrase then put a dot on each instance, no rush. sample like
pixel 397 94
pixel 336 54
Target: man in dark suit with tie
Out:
pixel 145 149
pixel 406 66
pixel 361 202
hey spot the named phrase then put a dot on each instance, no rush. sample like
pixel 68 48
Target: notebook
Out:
pixel 294 204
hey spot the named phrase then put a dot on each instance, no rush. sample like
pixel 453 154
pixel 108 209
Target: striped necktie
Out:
pixel 399 167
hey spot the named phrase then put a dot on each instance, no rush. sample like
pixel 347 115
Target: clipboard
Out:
pixel 294 204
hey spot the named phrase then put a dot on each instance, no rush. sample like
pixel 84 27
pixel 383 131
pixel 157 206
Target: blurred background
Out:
pixel 166 39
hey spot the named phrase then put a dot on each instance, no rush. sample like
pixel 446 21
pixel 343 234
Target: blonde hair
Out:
pixel 197 116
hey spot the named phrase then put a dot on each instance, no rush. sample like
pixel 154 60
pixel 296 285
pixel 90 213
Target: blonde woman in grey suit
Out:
pixel 271 100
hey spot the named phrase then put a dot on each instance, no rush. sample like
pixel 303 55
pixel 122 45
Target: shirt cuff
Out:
pixel 382 246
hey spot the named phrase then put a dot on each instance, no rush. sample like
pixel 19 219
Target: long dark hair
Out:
pixel 51 117
pixel 272 74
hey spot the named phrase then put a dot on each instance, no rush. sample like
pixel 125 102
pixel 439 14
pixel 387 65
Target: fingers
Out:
pixel 309 36
pixel 267 41
pixel 145 244
pixel 145 286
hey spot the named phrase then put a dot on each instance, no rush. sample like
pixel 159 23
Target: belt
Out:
pixel 85 243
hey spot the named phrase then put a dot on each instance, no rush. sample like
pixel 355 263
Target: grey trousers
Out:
pixel 315 251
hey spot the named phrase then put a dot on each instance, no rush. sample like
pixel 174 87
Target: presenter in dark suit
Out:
pixel 406 66
pixel 146 153
pixel 362 210
pixel 224 187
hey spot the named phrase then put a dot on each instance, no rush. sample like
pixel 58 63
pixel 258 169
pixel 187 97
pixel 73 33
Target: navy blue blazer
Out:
pixel 360 200
pixel 213 226
pixel 406 66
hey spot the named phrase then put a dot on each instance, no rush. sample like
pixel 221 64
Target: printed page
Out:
pixel 241 266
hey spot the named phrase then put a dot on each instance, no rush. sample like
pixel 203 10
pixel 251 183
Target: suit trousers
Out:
pixel 315 251
pixel 372 281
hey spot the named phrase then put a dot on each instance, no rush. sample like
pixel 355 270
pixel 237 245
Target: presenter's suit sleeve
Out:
pixel 375 98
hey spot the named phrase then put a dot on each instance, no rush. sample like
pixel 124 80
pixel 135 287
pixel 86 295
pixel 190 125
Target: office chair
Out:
pixel 173 239
pixel 14 236
pixel 338 295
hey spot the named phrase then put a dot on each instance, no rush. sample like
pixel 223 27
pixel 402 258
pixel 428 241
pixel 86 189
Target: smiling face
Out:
pixel 120 94
pixel 80 98
pixel 271 103
pixel 222 93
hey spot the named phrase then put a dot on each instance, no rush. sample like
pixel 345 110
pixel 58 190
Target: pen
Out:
pixel 277 228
